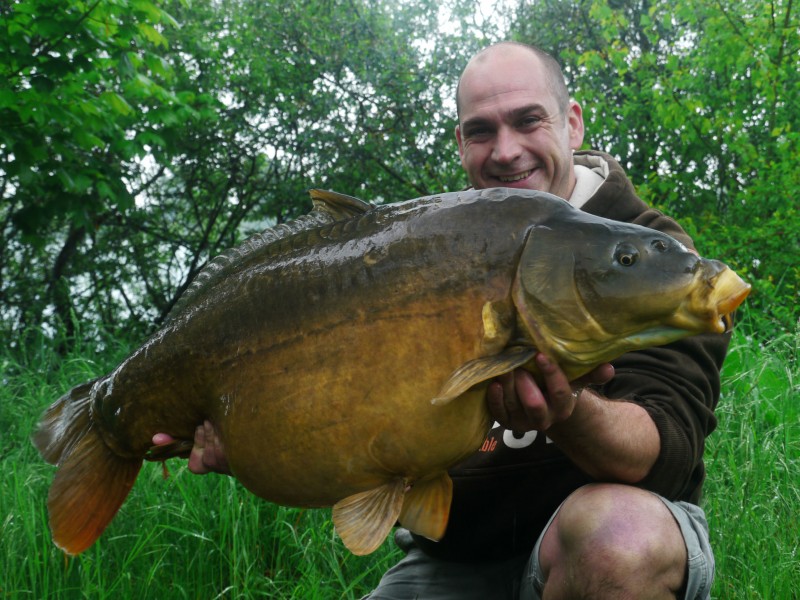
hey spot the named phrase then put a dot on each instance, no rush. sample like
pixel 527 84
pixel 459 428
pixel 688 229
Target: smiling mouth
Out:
pixel 517 177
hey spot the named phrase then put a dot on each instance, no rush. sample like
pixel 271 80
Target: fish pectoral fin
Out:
pixel 426 507
pixel 364 520
pixel 482 369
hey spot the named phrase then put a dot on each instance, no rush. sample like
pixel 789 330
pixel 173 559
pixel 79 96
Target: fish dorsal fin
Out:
pixel 329 207
pixel 338 206
pixel 482 369
pixel 364 520
pixel 426 506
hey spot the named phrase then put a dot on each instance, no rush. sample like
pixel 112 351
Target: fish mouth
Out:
pixel 729 291
pixel 718 292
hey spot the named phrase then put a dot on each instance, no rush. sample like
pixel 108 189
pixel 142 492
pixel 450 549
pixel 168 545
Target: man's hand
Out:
pixel 518 403
pixel 208 454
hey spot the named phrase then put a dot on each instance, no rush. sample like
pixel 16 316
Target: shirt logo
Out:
pixel 510 439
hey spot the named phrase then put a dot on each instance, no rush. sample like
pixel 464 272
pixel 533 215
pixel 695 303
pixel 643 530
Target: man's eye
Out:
pixel 477 133
pixel 529 122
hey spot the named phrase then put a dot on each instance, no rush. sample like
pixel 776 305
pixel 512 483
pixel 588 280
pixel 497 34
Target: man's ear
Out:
pixel 459 141
pixel 575 123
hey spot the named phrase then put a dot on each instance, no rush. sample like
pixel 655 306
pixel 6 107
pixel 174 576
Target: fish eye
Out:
pixel 626 255
pixel 659 245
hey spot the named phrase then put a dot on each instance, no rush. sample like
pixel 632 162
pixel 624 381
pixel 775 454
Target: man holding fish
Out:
pixel 583 489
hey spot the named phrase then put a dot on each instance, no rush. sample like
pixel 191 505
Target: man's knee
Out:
pixel 613 537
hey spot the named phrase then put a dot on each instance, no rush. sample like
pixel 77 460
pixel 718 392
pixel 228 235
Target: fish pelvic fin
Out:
pixel 91 482
pixel 426 507
pixel 483 369
pixel 364 520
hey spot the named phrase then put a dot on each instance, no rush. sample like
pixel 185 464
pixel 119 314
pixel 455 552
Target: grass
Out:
pixel 752 495
pixel 206 537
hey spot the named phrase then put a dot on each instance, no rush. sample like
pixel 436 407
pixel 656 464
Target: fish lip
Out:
pixel 726 306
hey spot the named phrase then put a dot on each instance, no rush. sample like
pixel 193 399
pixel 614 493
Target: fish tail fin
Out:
pixel 91 482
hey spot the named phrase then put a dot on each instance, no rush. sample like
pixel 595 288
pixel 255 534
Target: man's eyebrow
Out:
pixel 528 109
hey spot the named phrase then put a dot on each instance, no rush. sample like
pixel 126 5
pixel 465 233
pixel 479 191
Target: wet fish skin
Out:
pixel 346 363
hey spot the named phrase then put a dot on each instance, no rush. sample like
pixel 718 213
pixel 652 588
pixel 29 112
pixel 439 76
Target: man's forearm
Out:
pixel 609 440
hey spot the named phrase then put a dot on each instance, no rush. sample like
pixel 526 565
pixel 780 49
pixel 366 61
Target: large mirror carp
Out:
pixel 344 358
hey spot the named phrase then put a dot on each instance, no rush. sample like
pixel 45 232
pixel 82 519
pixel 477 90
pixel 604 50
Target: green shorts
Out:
pixel 418 575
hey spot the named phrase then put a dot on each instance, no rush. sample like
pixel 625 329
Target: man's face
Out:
pixel 512 132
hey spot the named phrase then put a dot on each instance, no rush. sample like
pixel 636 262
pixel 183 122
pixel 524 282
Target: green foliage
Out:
pixel 752 495
pixel 138 139
pixel 180 537
pixel 763 250
pixel 75 76
pixel 76 80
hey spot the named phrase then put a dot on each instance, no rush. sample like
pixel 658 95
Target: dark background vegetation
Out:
pixel 139 138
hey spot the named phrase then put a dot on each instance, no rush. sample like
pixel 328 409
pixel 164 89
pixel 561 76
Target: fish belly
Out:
pixel 348 408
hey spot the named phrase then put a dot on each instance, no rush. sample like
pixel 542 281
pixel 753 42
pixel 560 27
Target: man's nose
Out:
pixel 507 147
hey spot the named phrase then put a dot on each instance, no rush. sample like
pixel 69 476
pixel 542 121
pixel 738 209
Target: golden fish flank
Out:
pixel 344 357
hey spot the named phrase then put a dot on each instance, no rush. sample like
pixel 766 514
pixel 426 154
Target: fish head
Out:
pixel 589 289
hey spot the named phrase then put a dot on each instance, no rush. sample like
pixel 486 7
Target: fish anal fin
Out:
pixel 88 489
pixel 426 507
pixel 483 369
pixel 364 520
pixel 179 448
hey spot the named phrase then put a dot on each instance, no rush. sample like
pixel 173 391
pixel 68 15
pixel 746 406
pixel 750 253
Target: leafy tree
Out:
pixel 75 79
pixel 139 138
pixel 297 109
